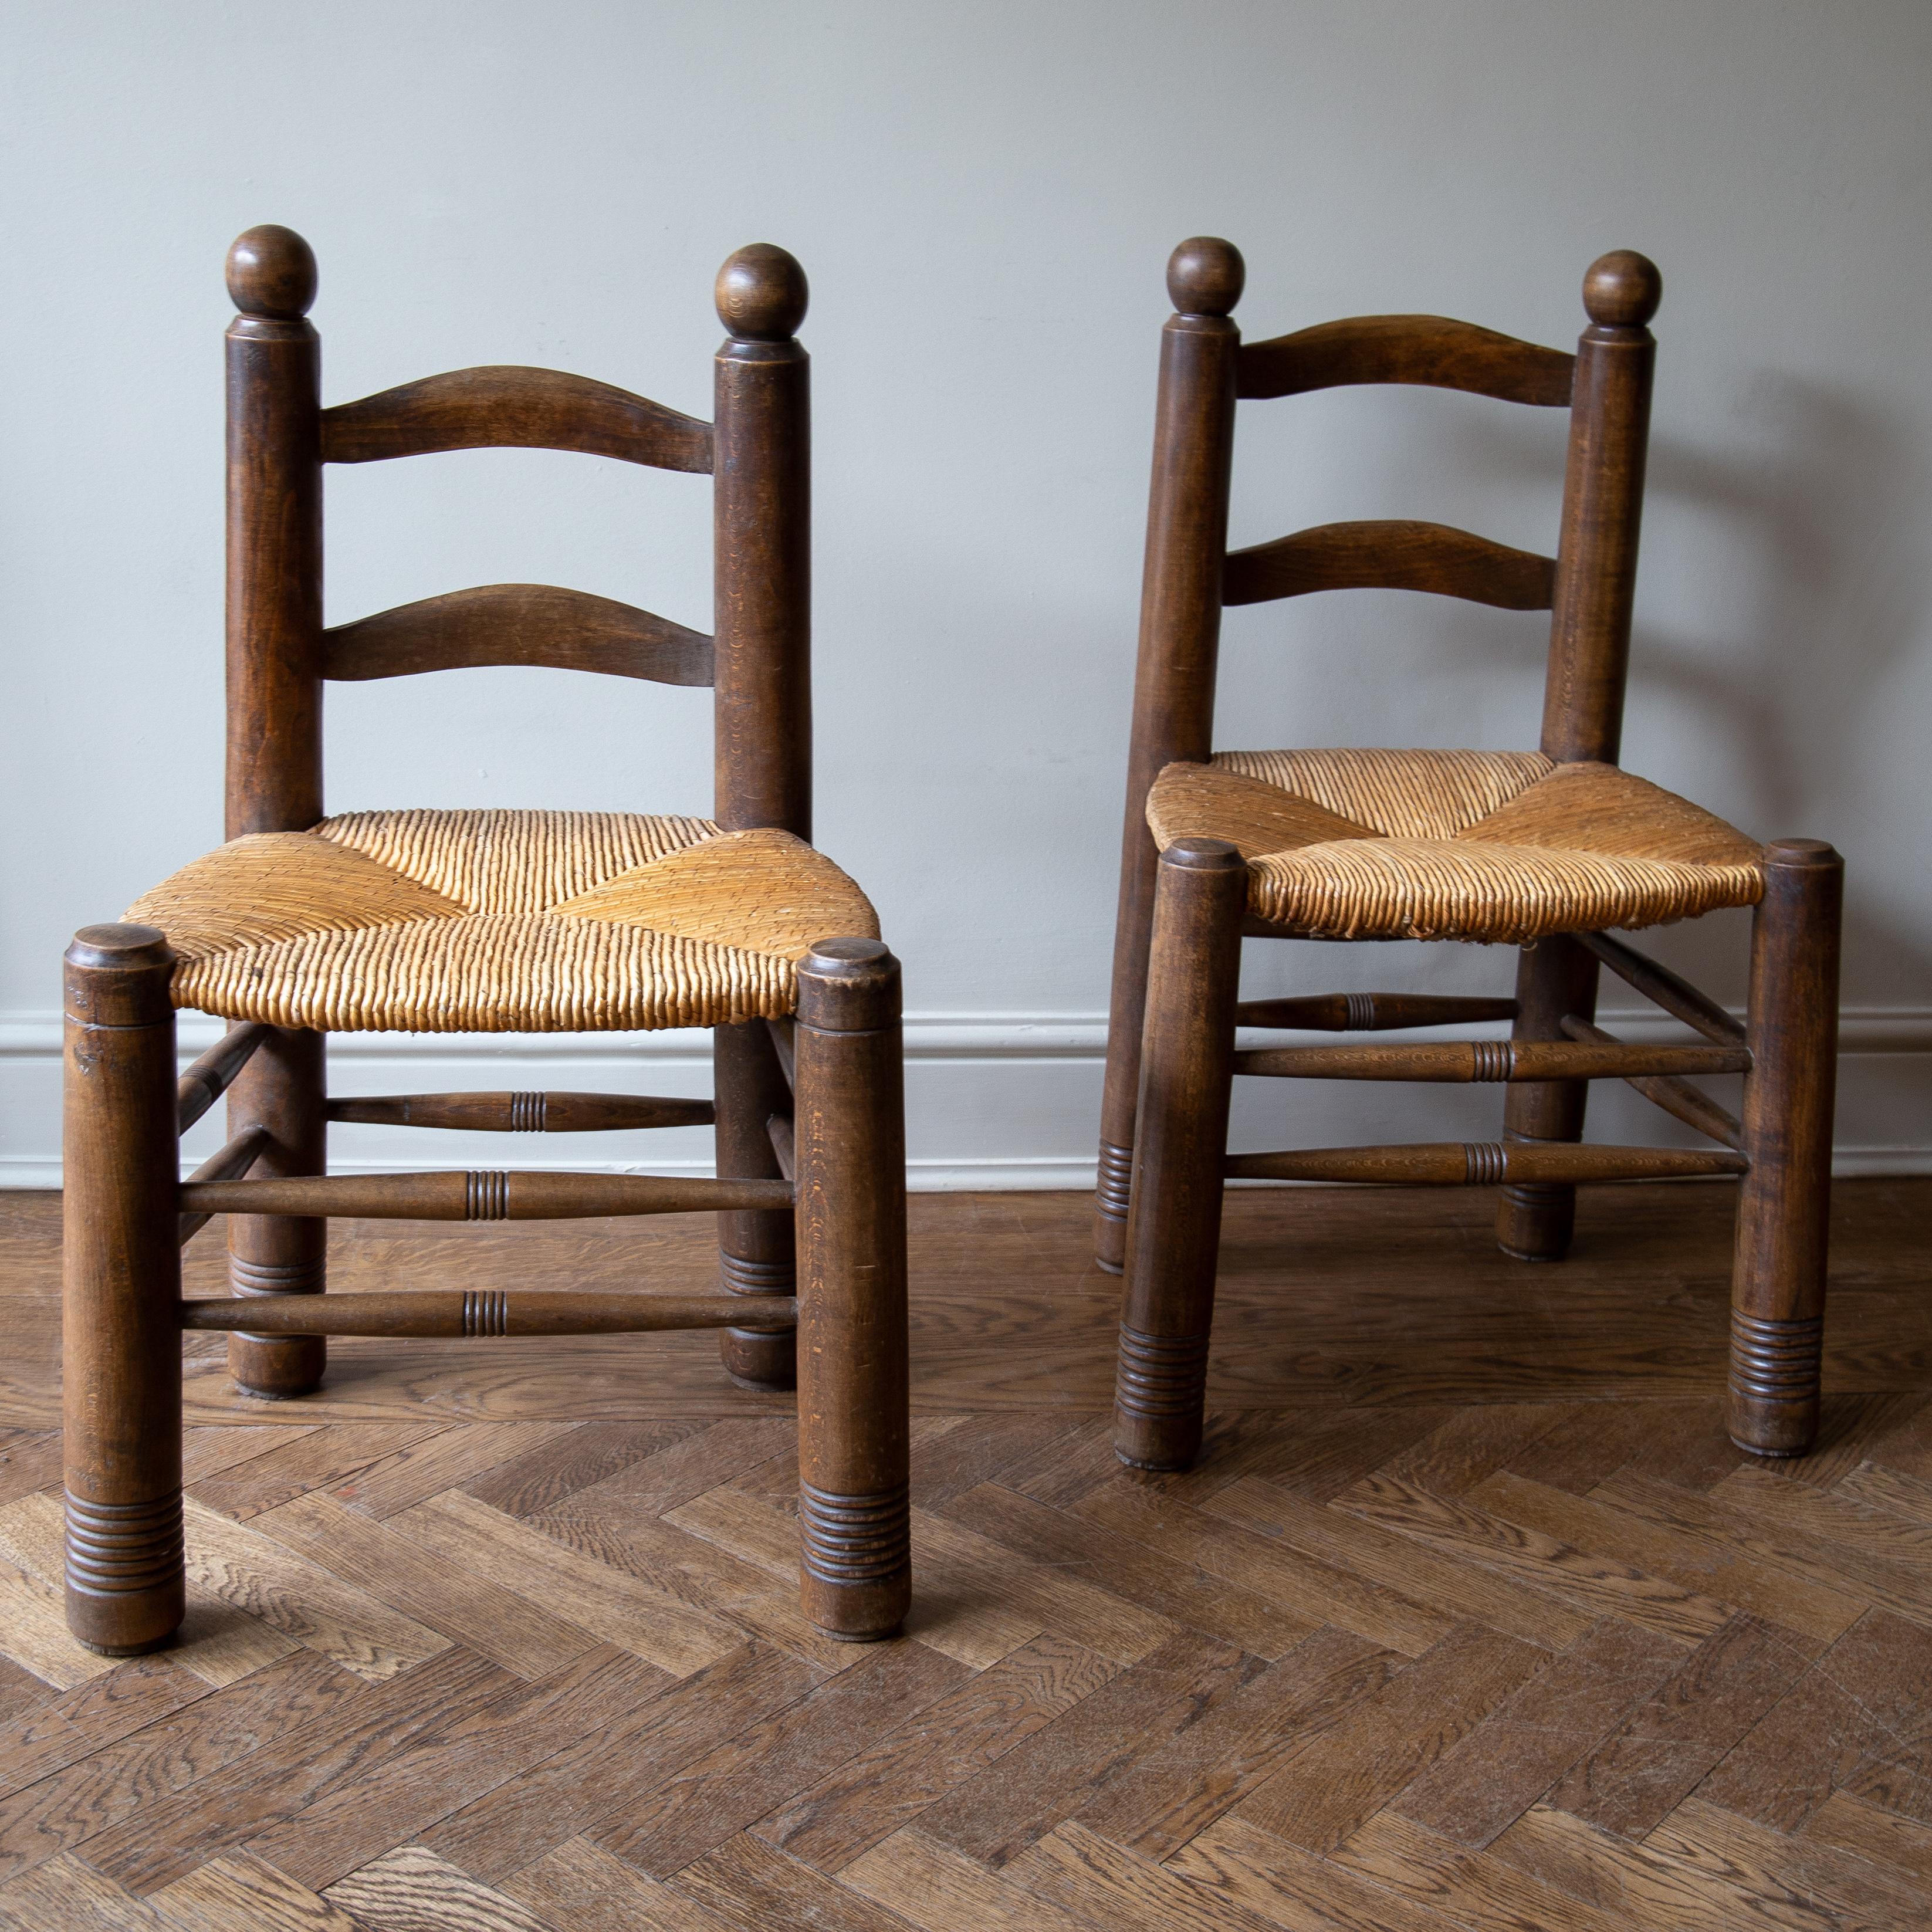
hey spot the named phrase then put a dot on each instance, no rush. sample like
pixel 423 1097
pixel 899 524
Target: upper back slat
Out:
pixel 503 407
pixel 1429 350
pixel 1390 556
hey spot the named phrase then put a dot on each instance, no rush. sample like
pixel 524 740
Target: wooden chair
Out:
pixel 502 921
pixel 1546 850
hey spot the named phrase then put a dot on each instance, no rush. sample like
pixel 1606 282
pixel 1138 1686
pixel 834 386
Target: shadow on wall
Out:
pixel 1831 596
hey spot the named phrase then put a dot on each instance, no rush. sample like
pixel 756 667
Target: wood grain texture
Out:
pixel 1390 556
pixel 1430 350
pixel 1529 1661
pixel 516 624
pixel 499 407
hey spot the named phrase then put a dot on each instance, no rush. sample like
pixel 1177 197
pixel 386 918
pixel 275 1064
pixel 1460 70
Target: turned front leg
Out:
pixel 1174 1227
pixel 1778 1286
pixel 120 1337
pixel 853 1436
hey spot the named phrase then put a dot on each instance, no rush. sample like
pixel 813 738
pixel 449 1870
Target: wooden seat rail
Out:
pixel 211 1076
pixel 486 1195
pixel 457 1312
pixel 1481 1164
pixel 1676 1096
pixel 532 1113
pixel 1663 987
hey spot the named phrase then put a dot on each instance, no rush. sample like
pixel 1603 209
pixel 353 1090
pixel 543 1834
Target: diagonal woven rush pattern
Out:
pixel 1477 845
pixel 489 922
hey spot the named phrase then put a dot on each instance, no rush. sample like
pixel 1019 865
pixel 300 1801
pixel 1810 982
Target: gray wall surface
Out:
pixel 984 198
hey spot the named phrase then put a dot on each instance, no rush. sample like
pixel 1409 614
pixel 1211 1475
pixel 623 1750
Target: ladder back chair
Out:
pixel 503 921
pixel 1548 850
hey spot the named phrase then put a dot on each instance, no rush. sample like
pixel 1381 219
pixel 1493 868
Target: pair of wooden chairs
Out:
pixel 536 921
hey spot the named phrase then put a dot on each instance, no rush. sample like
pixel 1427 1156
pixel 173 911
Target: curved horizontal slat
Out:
pixel 517 624
pixel 1429 350
pixel 1390 556
pixel 506 408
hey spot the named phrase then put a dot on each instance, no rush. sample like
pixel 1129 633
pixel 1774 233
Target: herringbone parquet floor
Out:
pixel 1470 1617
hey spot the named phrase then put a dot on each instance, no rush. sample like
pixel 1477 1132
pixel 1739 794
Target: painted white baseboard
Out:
pixel 994 1100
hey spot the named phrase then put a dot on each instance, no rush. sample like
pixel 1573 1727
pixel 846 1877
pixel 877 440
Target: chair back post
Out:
pixel 274 779
pixel 762 468
pixel 1603 504
pixel 1180 638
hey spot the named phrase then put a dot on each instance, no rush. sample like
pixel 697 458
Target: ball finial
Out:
pixel 1622 289
pixel 762 294
pixel 1205 276
pixel 272 273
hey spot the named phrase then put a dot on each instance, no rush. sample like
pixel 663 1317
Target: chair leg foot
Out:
pixel 121 1263
pixel 1535 1223
pixel 1777 1284
pixel 854 1445
pixel 1174 1222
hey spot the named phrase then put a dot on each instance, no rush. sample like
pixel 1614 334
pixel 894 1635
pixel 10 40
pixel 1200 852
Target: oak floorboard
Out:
pixel 1469 1617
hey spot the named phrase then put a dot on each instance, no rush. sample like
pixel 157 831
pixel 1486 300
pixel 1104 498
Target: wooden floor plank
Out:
pixel 1343 1775
pixel 470 1610
pixel 532 1813
pixel 739 1781
pixel 892 1778
pixel 122 1780
pixel 1469 1618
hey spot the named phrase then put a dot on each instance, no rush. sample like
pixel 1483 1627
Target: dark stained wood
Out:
pixel 1689 1104
pixel 1770 1772
pixel 1669 990
pixel 1429 350
pixel 480 1195
pixel 486 1312
pixel 121 1280
pixel 1489 1060
pixel 228 1163
pixel 535 1113
pixel 505 408
pixel 1175 1225
pixel 517 624
pixel 853 1444
pixel 1556 981
pixel 282 1091
pixel 1480 1164
pixel 1370 1012
pixel 1180 639
pixel 778 1128
pixel 1390 556
pixel 762 735
pixel 1777 1295
pixel 209 1078
pixel 1603 507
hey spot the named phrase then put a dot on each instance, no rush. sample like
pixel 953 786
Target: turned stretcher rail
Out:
pixel 469 1311
pixel 1487 1059
pixel 785 1033
pixel 230 1164
pixel 484 1195
pixel 1677 1097
pixel 779 1128
pixel 1480 1164
pixel 1663 987
pixel 211 1076
pixel 1370 1012
pixel 523 1113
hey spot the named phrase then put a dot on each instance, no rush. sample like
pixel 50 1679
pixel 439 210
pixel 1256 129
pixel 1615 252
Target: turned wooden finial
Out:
pixel 1622 289
pixel 1205 276
pixel 762 294
pixel 272 273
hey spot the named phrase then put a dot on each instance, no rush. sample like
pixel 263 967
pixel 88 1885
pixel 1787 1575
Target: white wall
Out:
pixel 984 197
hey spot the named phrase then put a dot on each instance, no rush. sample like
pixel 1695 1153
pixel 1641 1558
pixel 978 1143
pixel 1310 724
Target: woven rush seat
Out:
pixel 501 922
pixel 1473 845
